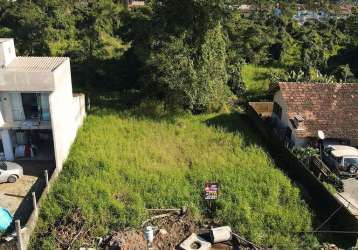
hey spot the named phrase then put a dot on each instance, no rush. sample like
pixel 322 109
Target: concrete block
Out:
pixel 195 242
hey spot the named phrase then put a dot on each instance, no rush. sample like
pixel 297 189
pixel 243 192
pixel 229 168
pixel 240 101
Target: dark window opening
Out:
pixel 30 104
pixel 1 147
pixel 35 106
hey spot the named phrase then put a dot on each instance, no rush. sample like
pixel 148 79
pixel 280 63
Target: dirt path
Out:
pixel 13 194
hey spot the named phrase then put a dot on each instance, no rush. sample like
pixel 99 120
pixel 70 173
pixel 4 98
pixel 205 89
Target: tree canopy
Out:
pixel 188 53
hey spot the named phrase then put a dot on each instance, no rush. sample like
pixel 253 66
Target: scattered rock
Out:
pixel 163 231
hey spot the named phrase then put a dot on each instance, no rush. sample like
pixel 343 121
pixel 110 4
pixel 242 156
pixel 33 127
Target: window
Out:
pixel 3 165
pixel 277 109
pixel 328 150
pixel 30 106
pixel 350 161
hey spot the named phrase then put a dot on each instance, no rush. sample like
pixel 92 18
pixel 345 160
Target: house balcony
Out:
pixel 27 120
pixel 27 125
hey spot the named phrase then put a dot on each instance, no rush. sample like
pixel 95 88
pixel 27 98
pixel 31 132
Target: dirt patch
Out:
pixel 71 229
pixel 170 232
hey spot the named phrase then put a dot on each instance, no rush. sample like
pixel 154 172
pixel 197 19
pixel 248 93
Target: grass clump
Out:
pixel 122 163
pixel 258 78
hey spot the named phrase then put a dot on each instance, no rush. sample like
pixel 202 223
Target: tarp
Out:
pixel 5 219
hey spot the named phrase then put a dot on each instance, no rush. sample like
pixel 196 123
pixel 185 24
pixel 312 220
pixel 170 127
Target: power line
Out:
pixel 329 217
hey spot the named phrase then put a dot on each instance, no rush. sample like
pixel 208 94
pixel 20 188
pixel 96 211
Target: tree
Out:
pixel 190 77
pixel 26 22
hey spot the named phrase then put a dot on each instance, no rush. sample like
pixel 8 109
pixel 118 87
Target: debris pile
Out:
pixel 69 230
pixel 176 228
pixel 171 230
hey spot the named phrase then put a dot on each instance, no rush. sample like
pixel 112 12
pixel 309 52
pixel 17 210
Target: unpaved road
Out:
pixel 13 194
pixel 16 197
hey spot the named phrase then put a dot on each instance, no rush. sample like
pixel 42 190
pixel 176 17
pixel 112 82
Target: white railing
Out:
pixel 19 115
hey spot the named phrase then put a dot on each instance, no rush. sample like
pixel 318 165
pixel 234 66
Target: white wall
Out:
pixel 285 120
pixel 14 81
pixel 7 52
pixel 63 117
pixel 7 144
pixel 6 106
pixel 79 110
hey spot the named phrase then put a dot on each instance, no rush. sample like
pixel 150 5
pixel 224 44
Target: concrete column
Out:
pixel 7 144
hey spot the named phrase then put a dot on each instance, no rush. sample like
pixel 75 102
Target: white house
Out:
pixel 39 115
pixel 303 109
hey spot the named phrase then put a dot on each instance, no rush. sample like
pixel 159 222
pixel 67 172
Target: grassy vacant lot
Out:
pixel 257 78
pixel 123 163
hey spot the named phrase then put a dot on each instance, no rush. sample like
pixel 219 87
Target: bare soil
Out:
pixel 170 232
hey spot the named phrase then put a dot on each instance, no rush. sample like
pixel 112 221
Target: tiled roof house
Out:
pixel 306 108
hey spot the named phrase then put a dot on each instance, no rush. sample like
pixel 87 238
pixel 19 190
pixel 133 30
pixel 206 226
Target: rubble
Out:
pixel 195 242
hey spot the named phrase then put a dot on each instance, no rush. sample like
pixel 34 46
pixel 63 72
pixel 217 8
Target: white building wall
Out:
pixel 14 81
pixel 285 120
pixel 67 112
pixel 7 144
pixel 79 110
pixel 63 115
pixel 7 51
pixel 5 107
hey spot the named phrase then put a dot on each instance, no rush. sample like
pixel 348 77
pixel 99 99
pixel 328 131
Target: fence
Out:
pixel 322 200
pixel 24 233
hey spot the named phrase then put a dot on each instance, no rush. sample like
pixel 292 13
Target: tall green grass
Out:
pixel 257 78
pixel 122 163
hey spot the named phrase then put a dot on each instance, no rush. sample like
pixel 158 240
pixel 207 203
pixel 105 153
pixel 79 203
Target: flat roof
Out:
pixel 341 150
pixel 35 64
pixel 5 39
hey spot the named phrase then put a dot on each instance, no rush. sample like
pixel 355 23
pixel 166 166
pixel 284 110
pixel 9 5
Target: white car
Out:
pixel 341 159
pixel 10 171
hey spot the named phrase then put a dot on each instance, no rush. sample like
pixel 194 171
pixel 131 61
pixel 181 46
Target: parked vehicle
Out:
pixel 10 172
pixel 343 160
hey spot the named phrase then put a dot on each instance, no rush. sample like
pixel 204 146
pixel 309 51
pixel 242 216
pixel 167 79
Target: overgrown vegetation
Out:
pixel 258 78
pixel 193 55
pixel 188 53
pixel 124 162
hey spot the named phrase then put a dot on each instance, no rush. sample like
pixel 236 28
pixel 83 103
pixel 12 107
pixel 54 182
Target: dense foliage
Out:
pixel 143 162
pixel 189 53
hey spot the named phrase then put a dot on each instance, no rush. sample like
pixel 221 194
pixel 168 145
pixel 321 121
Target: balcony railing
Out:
pixel 41 115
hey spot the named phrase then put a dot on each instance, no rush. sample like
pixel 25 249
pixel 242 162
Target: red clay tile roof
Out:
pixel 332 108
